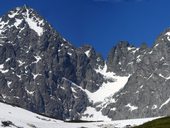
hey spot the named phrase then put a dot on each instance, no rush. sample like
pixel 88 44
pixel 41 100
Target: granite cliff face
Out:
pixel 146 94
pixel 42 72
pixel 40 69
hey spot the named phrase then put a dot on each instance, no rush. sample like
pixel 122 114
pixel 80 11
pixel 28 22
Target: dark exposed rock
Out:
pixel 40 70
pixel 6 123
pixel 146 93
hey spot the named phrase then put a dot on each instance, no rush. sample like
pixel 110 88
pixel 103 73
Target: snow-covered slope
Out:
pixel 110 86
pixel 103 95
pixel 24 119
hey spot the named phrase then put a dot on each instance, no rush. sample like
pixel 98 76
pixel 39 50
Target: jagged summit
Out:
pixel 40 70
pixel 21 16
pixel 24 26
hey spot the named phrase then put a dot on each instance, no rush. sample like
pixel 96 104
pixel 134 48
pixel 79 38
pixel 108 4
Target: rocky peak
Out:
pixel 25 15
pixel 95 58
pixel 23 22
pixel 121 57
pixel 40 70
pixel 163 38
pixel 160 51
pixel 24 28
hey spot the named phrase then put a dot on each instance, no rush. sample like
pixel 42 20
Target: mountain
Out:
pixel 15 117
pixel 40 70
pixel 146 94
pixel 44 73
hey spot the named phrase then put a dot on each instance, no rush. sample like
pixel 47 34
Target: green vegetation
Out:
pixel 158 123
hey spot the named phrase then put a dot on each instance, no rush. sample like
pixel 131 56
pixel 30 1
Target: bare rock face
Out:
pixel 40 70
pixel 146 94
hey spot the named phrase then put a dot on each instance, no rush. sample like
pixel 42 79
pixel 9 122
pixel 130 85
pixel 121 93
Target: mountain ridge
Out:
pixel 44 73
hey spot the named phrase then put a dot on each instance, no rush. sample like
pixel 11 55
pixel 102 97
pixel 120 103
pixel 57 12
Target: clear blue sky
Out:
pixel 102 23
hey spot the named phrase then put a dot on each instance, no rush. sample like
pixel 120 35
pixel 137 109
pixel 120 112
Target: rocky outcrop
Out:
pixel 40 70
pixel 147 91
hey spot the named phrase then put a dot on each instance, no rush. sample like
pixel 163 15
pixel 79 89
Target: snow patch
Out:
pixel 7 59
pixel 130 63
pixel 141 87
pixel 137 92
pixel 66 47
pixel 38 58
pixel 70 54
pixel 88 53
pixel 114 84
pixel 2 69
pixel 98 59
pixel 13 14
pixel 165 103
pixel 29 92
pixel 2 24
pixel 18 22
pixel 138 59
pixel 35 75
pixel 9 83
pixel 62 87
pixel 73 90
pixel 150 52
pixel 168 36
pixel 19 76
pixel 3 27
pixel 131 107
pixel 64 39
pixel 17 97
pixel 135 50
pixel 167 78
pixel 33 24
pixel 162 58
pixel 150 76
pixel 20 63
pixel 130 48
pixel 168 33
pixel 154 106
pixel 26 119
pixel 113 109
pixel 156 45
pixel 4 96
